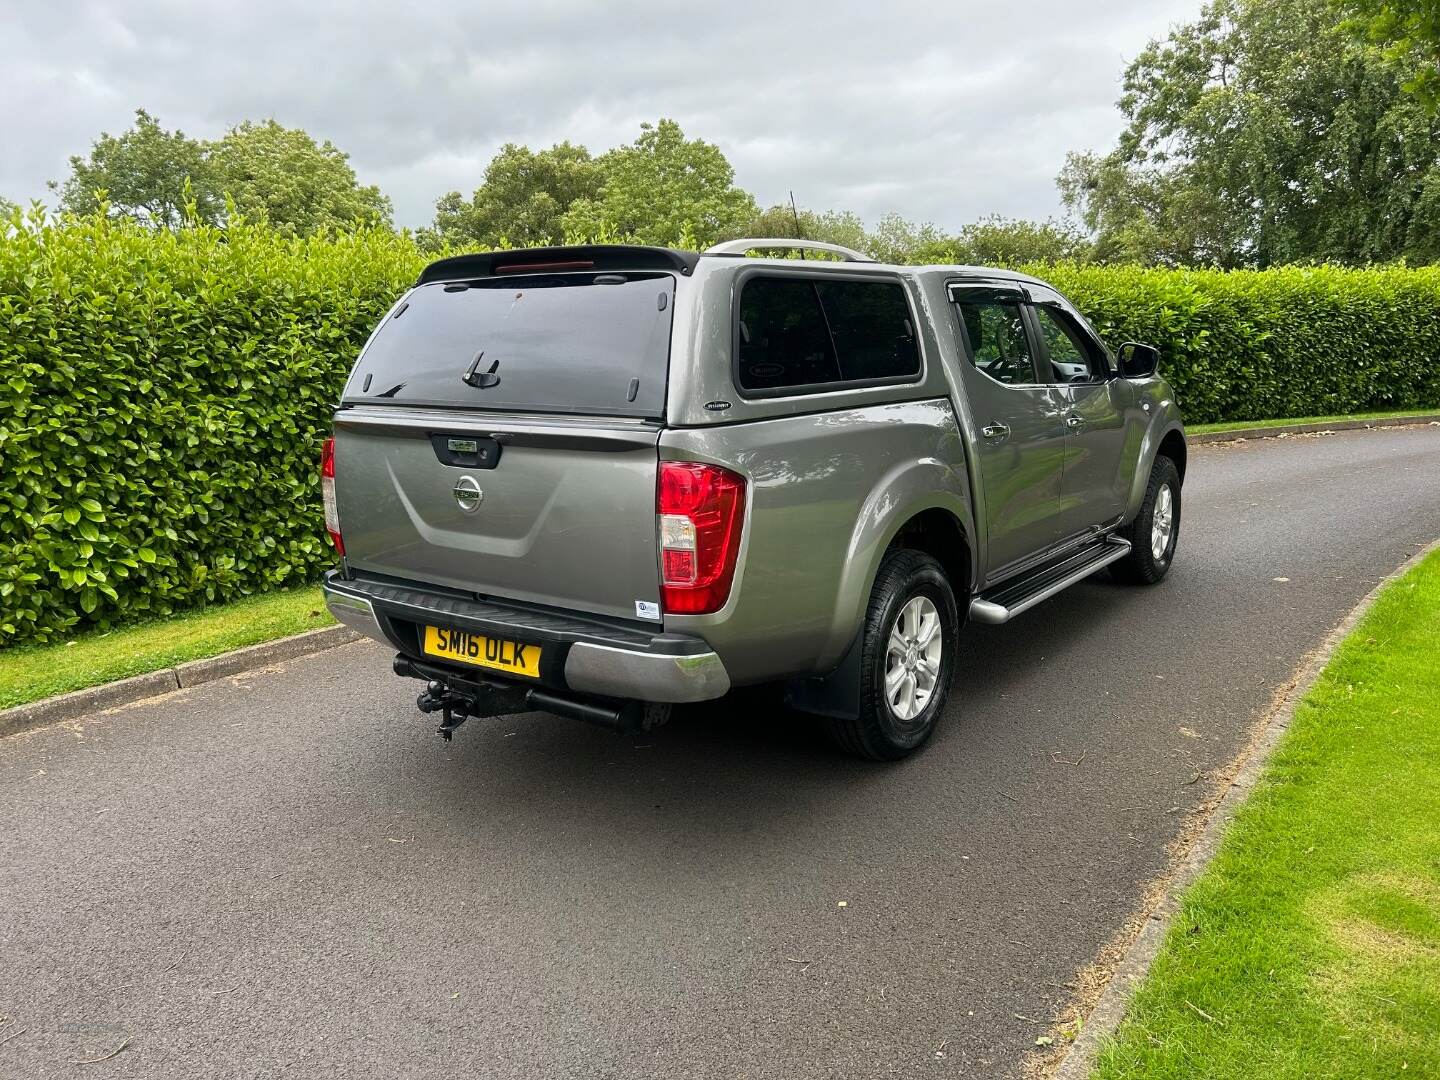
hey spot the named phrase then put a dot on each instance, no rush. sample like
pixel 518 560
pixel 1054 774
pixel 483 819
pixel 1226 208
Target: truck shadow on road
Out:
pixel 718 765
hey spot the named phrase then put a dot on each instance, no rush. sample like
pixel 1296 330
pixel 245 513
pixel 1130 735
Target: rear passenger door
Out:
pixel 1021 449
pixel 1097 421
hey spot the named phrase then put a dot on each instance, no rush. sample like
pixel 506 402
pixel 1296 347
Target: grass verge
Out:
pixel 32 672
pixel 1241 425
pixel 1311 945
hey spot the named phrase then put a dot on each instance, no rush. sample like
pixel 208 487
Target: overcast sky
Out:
pixel 943 112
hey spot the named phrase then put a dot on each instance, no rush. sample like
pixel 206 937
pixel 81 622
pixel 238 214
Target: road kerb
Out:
pixel 1109 1011
pixel 1241 434
pixel 93 699
pixel 211 668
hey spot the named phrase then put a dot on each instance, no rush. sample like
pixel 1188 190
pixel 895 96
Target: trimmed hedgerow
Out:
pixel 1291 341
pixel 162 400
pixel 163 394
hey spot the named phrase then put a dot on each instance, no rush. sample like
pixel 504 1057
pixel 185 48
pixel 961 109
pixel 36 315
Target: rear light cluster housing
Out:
pixel 327 493
pixel 701 514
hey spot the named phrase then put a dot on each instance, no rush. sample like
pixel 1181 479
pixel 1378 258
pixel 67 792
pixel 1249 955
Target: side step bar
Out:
pixel 1010 598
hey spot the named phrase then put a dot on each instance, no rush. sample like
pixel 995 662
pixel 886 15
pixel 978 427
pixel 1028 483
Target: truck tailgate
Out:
pixel 557 512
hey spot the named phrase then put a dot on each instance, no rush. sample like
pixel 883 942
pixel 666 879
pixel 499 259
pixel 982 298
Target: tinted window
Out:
pixel 596 343
pixel 1073 357
pixel 783 337
pixel 995 332
pixel 796 332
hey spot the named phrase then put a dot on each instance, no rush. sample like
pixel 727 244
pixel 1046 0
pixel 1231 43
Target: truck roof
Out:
pixel 642 257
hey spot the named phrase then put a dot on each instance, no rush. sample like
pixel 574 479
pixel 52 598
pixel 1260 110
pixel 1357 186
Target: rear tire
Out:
pixel 1155 531
pixel 907 659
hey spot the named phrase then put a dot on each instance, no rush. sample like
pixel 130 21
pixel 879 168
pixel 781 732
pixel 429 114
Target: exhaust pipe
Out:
pixel 605 716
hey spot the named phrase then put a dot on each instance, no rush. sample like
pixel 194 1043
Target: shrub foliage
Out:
pixel 163 394
pixel 1289 341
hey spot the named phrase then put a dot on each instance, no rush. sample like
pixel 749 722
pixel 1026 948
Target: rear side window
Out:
pixel 569 343
pixel 804 335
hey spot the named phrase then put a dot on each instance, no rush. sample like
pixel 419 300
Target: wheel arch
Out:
pixel 1173 446
pixel 940 534
pixel 1167 441
pixel 931 515
pixel 933 527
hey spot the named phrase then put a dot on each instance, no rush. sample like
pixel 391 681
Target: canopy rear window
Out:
pixel 594 343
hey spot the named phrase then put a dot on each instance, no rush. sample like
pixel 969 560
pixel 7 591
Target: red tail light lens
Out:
pixel 327 493
pixel 701 512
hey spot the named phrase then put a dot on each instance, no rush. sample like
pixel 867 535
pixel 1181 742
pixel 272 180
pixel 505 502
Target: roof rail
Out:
pixel 740 247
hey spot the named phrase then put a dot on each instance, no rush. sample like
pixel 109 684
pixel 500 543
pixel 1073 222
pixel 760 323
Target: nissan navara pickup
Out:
pixel 600 481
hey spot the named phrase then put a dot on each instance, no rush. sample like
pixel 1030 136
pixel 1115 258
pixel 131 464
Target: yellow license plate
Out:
pixel 511 657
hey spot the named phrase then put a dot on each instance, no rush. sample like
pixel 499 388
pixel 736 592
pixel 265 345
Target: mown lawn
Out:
pixel 1311 946
pixel 1240 425
pixel 30 673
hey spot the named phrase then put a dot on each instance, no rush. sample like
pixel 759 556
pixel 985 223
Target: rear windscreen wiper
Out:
pixel 481 380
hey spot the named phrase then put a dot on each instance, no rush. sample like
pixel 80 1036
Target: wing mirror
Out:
pixel 1137 360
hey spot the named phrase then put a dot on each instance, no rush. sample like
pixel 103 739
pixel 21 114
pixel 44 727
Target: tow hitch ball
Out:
pixel 435 698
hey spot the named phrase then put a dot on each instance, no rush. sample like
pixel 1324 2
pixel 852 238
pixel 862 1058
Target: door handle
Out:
pixel 995 430
pixel 1075 423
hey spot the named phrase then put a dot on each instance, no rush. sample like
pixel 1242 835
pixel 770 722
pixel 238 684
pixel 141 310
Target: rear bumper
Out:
pixel 584 654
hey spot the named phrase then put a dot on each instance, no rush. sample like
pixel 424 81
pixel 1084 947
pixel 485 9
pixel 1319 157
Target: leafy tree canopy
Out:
pixel 829 226
pixel 1409 32
pixel 144 174
pixel 267 170
pixel 663 189
pixel 1264 133
pixel 284 176
pixel 998 241
pixel 522 201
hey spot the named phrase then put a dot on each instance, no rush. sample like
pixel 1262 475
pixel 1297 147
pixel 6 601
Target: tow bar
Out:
pixel 458 699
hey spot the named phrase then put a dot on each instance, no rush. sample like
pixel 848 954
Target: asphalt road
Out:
pixel 287 873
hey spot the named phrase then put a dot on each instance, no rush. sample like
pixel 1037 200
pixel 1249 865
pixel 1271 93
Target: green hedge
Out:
pixel 163 394
pixel 162 400
pixel 1293 341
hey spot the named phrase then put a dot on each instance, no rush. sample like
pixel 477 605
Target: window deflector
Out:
pixel 981 292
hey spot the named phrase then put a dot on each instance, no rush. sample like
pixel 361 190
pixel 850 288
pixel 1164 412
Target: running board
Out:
pixel 1010 598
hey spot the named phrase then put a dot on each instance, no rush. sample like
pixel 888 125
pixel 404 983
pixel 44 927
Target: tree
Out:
pixel 298 185
pixel 1149 215
pixel 829 226
pixel 663 189
pixel 1264 133
pixel 267 170
pixel 895 240
pixel 998 241
pixel 1409 32
pixel 521 202
pixel 147 173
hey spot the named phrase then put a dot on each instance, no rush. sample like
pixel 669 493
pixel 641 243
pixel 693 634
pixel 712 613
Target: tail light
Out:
pixel 701 510
pixel 327 493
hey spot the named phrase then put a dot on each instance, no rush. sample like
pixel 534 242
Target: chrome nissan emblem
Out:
pixel 468 494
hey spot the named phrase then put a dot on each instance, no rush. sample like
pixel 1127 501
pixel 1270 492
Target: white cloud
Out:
pixel 938 112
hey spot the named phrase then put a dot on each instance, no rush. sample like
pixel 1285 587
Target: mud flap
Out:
pixel 836 694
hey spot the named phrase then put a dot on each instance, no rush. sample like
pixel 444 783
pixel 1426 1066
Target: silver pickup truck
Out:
pixel 599 481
